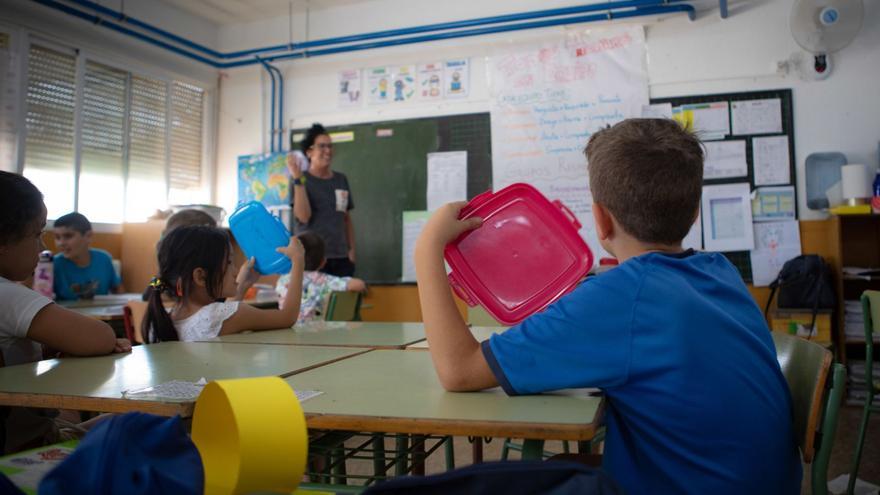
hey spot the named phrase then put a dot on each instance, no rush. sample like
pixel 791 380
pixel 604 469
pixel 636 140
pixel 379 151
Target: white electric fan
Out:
pixel 822 27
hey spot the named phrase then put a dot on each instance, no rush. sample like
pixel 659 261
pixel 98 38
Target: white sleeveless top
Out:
pixel 206 322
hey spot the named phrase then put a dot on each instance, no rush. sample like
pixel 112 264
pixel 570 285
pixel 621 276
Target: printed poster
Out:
pixel 456 76
pixel 431 81
pixel 349 88
pixel 403 83
pixel 379 85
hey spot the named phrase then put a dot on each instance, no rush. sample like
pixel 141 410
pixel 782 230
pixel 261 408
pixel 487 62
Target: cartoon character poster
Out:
pixel 431 81
pixel 349 94
pixel 380 86
pixel 403 79
pixel 456 75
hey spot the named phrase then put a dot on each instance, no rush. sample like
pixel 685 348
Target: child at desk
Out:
pixel 195 270
pixel 27 318
pixel 696 401
pixel 316 286
pixel 81 271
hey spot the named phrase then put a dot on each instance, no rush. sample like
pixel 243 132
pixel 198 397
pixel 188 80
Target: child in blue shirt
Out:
pixel 695 399
pixel 81 271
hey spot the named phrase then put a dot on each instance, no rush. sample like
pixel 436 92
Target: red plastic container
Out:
pixel 526 254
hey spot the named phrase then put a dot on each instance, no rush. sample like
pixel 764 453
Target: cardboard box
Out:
pixel 781 320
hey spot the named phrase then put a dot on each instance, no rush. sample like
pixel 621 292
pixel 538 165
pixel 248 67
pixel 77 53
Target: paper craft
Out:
pixel 447 178
pixel 657 111
pixel 403 81
pixel 771 159
pixel 456 77
pixel 775 243
pixel 349 88
pixel 175 390
pixel 27 469
pixel 431 81
pixel 727 218
pixel 378 86
pixel 757 117
pixel 773 203
pixel 725 159
pixel 413 223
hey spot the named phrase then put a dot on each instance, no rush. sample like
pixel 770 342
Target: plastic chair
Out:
pixel 133 314
pixel 816 402
pixel 871 312
pixel 343 306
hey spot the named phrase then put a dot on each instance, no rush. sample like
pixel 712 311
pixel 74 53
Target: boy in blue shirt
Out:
pixel 80 271
pixel 696 402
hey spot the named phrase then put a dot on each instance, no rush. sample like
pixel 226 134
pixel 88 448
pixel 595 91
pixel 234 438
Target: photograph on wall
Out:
pixel 349 94
pixel 379 85
pixel 456 75
pixel 403 83
pixel 264 178
pixel 431 81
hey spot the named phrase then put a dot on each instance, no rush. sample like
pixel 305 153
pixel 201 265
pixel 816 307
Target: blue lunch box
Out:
pixel 259 233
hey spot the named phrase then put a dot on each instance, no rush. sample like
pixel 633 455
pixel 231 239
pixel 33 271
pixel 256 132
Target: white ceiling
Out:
pixel 243 11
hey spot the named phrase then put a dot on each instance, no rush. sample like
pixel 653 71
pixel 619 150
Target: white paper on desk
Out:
pixel 757 117
pixel 304 395
pixel 413 223
pixel 175 390
pixel 694 238
pixel 727 217
pixel 725 159
pixel 772 164
pixel 447 178
pixel 657 111
pixel 773 203
pixel 775 243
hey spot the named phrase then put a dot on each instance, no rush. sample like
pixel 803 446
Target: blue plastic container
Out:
pixel 259 233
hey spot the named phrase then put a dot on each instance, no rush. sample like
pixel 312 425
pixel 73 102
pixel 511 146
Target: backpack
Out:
pixel 509 477
pixel 804 282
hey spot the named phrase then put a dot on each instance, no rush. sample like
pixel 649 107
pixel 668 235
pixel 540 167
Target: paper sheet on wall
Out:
pixel 771 159
pixel 403 83
pixel 757 117
pixel 775 243
pixel 694 238
pixel 727 217
pixel 546 101
pixel 447 178
pixel 413 223
pixel 431 81
pixel 457 78
pixel 773 204
pixel 349 94
pixel 657 111
pixel 725 159
pixel 707 120
pixel 378 85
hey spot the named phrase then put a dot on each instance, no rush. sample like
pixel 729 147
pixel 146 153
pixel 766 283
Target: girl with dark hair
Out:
pixel 195 271
pixel 322 201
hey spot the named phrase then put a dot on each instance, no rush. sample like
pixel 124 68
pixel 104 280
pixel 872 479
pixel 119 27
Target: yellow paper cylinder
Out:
pixel 251 434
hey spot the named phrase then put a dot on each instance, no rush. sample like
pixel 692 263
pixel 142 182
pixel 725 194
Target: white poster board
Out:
pixel 547 100
pixel 447 178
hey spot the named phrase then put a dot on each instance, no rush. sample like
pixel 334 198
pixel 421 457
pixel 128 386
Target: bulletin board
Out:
pixel 741 259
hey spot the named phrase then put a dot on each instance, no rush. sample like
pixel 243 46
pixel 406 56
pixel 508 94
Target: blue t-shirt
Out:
pixel 72 282
pixel 695 399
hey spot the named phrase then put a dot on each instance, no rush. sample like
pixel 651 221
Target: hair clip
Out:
pixel 157 283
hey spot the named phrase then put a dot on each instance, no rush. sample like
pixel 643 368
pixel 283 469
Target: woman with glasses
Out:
pixel 322 201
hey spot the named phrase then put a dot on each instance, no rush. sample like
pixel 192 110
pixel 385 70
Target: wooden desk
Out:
pixel 97 383
pixel 480 333
pixel 101 301
pixel 374 335
pixel 394 391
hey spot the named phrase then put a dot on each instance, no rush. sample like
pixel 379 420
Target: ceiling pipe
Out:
pixel 271 104
pixel 608 15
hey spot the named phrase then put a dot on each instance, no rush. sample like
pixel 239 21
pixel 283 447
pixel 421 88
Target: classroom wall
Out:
pixel 709 55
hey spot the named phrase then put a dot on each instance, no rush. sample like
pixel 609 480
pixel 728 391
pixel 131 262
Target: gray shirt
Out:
pixel 330 200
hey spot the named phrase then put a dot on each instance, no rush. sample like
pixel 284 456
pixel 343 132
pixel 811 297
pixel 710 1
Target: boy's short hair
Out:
pixel 649 174
pixel 314 250
pixel 189 217
pixel 75 221
pixel 21 203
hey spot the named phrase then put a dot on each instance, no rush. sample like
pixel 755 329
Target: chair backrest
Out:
pixel 343 306
pixel 479 317
pixel 871 311
pixel 133 314
pixel 805 365
pixel 819 471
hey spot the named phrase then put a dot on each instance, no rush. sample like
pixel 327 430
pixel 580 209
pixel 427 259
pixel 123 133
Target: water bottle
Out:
pixel 44 275
pixel 875 201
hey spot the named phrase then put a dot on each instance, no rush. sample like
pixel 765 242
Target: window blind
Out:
pixel 147 147
pixel 185 171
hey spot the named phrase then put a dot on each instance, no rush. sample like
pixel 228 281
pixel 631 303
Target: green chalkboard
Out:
pixel 386 166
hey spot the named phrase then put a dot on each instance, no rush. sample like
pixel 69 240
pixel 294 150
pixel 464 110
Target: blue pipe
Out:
pixel 280 109
pixel 722 8
pixel 271 105
pixel 607 6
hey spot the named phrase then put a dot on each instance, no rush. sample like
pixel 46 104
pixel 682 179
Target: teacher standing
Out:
pixel 322 202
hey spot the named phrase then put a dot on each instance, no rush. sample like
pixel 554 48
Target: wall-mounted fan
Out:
pixel 822 27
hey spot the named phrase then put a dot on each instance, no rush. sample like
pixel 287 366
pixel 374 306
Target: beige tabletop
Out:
pixel 105 313
pixel 387 335
pixel 397 391
pixel 480 333
pixel 101 300
pixel 97 383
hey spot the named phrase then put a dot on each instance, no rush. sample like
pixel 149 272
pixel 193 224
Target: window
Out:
pixel 108 143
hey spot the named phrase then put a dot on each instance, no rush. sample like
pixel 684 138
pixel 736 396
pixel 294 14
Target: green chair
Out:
pixel 343 306
pixel 806 366
pixel 871 312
